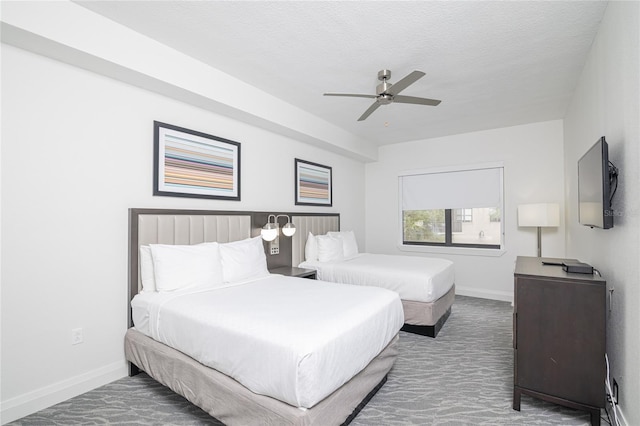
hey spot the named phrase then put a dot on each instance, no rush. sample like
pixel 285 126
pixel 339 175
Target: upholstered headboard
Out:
pixel 173 226
pixel 168 226
pixel 317 225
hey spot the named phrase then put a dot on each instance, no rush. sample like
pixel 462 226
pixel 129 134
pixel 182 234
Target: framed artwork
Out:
pixel 194 164
pixel 313 184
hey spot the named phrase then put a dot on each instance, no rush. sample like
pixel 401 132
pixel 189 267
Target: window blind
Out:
pixel 452 189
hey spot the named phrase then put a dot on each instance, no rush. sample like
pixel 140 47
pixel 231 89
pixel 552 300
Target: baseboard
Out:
pixel 39 399
pixel 505 296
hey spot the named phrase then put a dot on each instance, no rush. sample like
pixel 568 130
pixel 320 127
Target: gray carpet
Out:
pixel 463 377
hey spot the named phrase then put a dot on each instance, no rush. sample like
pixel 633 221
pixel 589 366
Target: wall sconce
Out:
pixel 271 231
pixel 539 215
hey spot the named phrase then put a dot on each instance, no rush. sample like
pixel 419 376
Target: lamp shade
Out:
pixel 542 214
pixel 269 231
pixel 289 229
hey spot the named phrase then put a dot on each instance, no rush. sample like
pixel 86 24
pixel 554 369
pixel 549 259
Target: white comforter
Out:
pixel 422 279
pixel 293 339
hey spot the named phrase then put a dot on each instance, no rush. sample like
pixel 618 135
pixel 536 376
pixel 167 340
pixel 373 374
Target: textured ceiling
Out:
pixel 493 64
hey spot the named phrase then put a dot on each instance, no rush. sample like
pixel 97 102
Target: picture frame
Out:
pixel 193 164
pixel 313 184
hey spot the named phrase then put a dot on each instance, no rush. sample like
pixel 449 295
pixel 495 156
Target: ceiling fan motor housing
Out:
pixel 384 98
pixel 381 89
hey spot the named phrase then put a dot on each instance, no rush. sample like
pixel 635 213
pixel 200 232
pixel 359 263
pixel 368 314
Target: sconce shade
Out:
pixel 542 214
pixel 289 229
pixel 269 231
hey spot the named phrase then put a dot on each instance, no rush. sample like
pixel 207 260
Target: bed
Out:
pixel 211 344
pixel 425 285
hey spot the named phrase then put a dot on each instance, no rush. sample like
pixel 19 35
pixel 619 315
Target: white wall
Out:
pixel 76 154
pixel 533 172
pixel 90 41
pixel 606 103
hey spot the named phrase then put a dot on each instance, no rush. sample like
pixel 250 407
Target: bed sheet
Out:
pixel 294 339
pixel 421 279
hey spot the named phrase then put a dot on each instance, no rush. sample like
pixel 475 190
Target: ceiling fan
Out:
pixel 388 93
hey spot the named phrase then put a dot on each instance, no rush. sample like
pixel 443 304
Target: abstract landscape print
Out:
pixel 188 163
pixel 313 184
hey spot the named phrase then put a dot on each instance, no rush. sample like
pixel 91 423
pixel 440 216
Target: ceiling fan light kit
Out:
pixel 387 92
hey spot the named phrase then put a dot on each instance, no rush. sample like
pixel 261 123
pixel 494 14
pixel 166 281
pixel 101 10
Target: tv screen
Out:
pixel 594 187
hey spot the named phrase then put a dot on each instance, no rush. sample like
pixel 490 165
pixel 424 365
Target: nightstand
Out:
pixel 291 271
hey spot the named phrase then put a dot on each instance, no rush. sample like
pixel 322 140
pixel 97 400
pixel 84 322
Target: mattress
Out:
pixel 293 339
pixel 420 279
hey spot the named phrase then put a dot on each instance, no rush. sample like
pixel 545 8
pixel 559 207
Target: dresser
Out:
pixel 559 336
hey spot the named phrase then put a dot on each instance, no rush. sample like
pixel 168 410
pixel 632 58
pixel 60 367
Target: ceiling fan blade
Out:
pixel 368 112
pixel 414 100
pixel 405 82
pixel 351 95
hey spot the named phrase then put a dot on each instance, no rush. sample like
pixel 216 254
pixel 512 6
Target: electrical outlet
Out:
pixel 614 397
pixel 274 246
pixel 76 336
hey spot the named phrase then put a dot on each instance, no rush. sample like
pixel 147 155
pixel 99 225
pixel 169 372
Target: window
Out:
pixel 494 215
pixel 464 215
pixel 455 208
pixel 459 216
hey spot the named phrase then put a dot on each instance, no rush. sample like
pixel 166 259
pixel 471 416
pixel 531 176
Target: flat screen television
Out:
pixel 596 180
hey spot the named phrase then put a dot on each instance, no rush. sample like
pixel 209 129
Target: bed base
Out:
pixel 428 318
pixel 364 402
pixel 233 404
pixel 428 330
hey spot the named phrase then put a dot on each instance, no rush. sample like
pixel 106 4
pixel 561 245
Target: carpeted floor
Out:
pixel 463 377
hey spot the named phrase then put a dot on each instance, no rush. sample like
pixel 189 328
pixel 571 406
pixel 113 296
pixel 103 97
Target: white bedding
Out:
pixel 421 279
pixel 293 339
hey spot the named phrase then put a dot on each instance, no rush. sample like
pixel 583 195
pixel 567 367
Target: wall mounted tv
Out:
pixel 597 184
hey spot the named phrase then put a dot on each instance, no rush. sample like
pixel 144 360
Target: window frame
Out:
pixel 448 246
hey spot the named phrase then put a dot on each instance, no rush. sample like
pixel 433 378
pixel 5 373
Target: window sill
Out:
pixel 464 251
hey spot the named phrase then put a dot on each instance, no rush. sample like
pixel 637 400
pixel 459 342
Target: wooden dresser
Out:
pixel 559 336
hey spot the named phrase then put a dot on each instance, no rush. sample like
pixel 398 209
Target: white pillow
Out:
pixel 349 243
pixel 243 260
pixel 183 266
pixel 147 277
pixel 330 248
pixel 311 248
